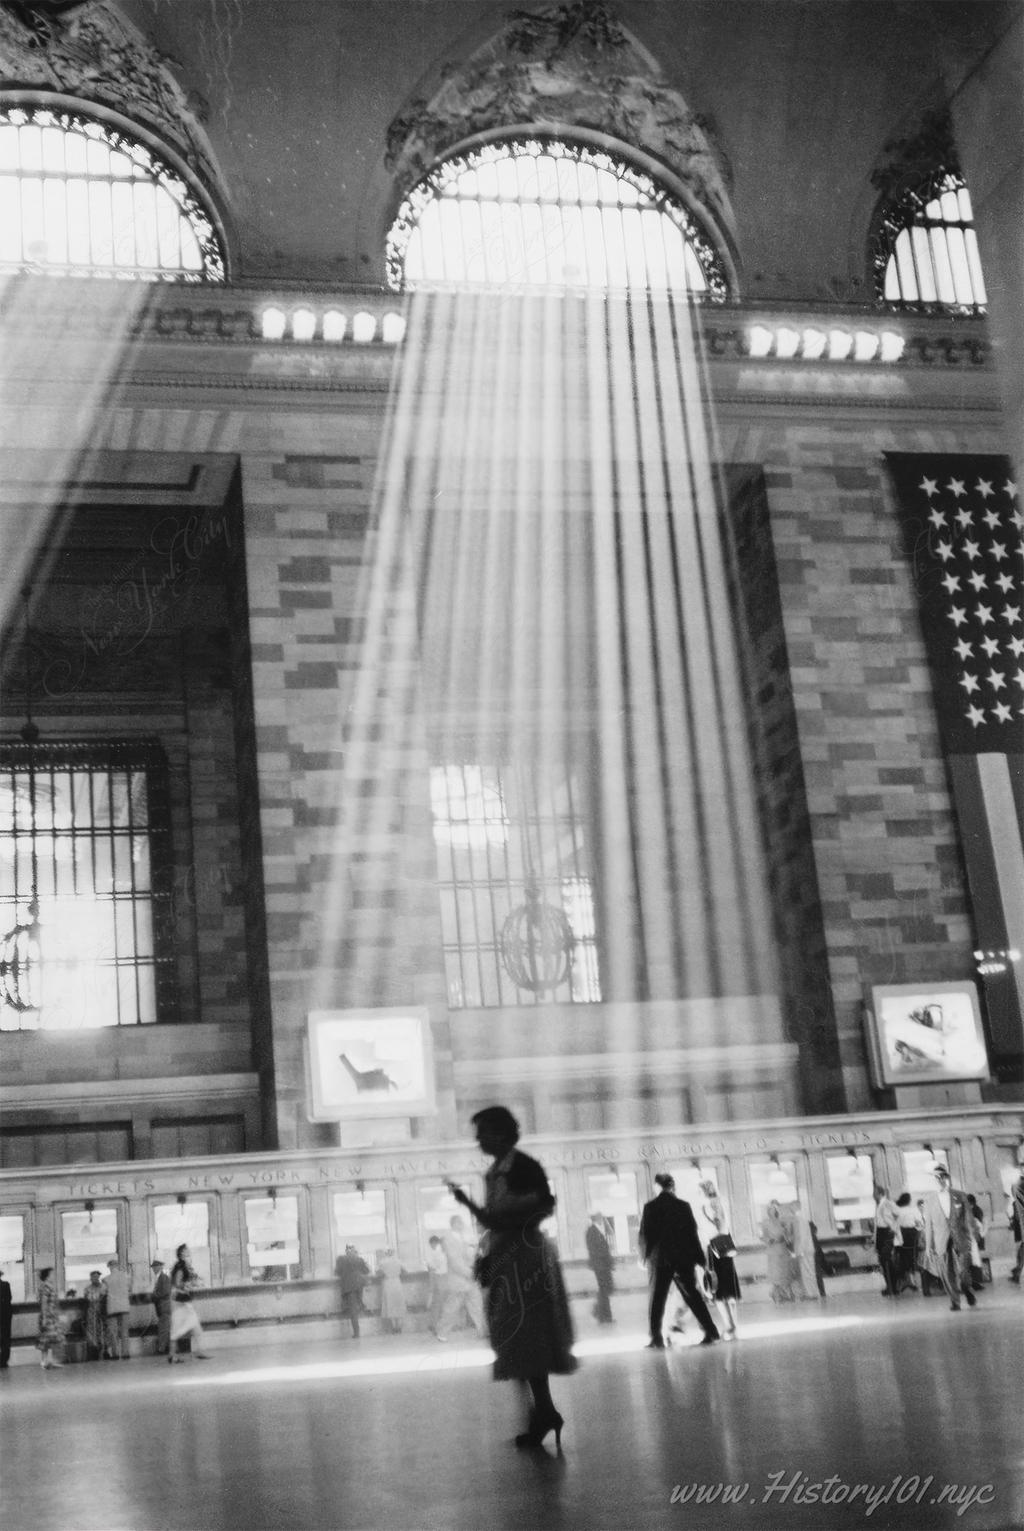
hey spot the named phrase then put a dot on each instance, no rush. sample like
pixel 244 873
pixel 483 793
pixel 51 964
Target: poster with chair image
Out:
pixel 370 1063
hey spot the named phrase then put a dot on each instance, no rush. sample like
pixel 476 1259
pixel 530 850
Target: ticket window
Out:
pixel 851 1183
pixel 772 1180
pixel 88 1243
pixel 919 1171
pixel 12 1253
pixel 436 1206
pixel 613 1194
pixel 272 1238
pixel 360 1219
pixel 183 1222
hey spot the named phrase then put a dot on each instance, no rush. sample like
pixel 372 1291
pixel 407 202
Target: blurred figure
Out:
pixel 184 1318
pixel 820 1263
pixel 51 1333
pixel 805 1278
pixel 947 1239
pixel 721 1249
pixel 462 1295
pixel 162 1299
pixel 602 1263
pixel 6 1320
pixel 778 1240
pixel 672 1248
pixel 886 1224
pixel 907 1242
pixel 353 1273
pixel 527 1308
pixel 437 1272
pixel 95 1318
pixel 392 1296
pixel 1017 1225
pixel 979 1228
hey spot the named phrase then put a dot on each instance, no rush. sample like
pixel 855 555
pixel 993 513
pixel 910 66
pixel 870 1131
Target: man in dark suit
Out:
pixel 671 1245
pixel 163 1300
pixel 6 1318
pixel 599 1258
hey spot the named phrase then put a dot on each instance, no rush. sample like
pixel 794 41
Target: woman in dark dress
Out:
pixel 527 1309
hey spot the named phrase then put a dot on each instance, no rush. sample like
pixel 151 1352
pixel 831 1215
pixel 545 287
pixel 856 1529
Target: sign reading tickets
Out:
pixel 370 1063
pixel 926 1034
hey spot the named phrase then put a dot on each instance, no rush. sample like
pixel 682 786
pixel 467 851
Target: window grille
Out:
pixel 927 251
pixel 99 843
pixel 497 834
pixel 547 212
pixel 80 197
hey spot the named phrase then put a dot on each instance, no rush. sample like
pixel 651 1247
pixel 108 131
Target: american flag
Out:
pixel 963 533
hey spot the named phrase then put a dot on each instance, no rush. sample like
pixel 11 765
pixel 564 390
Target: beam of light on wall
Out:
pixel 78 331
pixel 548 586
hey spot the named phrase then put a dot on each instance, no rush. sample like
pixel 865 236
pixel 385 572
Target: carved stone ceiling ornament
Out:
pixel 88 51
pixel 562 67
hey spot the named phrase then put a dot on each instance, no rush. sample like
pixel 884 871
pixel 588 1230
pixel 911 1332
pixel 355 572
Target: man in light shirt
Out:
pixel 118 1307
pixel 947 1239
pixel 463 1294
pixel 887 1220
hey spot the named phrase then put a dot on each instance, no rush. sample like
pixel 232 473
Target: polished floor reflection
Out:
pixel 916 1408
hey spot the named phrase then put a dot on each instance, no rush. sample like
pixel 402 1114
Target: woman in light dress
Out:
pixel 184 1318
pixel 805 1280
pixel 778 1241
pixel 392 1297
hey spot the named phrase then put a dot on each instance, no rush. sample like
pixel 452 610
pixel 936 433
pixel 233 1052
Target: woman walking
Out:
pixel 184 1318
pixel 527 1309
pixel 725 1283
pixel 51 1332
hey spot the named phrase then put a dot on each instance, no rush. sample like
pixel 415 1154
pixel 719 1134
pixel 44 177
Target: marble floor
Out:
pixel 898 1401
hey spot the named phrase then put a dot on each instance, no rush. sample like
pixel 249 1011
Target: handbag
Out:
pixel 482 1270
pixel 722 1244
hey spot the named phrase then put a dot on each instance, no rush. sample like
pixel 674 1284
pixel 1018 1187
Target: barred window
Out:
pixel 80 197
pixel 544 211
pixel 516 885
pixel 926 254
pixel 84 836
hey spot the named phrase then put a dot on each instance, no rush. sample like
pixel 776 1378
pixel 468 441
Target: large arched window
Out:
pixel 926 251
pixel 546 212
pixel 80 197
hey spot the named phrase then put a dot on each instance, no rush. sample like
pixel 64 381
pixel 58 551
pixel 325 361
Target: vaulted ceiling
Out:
pixel 799 97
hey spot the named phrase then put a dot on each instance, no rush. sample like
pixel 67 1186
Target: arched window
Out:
pixel 546 212
pixel 79 197
pixel 926 253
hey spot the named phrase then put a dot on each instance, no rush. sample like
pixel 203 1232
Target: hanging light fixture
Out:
pixel 536 941
pixel 21 970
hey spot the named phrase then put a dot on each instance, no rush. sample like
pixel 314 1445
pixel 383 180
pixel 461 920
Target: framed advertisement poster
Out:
pixel 925 1034
pixel 370 1063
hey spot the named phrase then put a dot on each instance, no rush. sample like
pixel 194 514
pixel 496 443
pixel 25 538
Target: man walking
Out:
pixel 947 1239
pixel 463 1294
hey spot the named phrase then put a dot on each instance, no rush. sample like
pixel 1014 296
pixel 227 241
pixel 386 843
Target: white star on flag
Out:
pixel 964 517
pixel 984 488
pixel 938 518
pixel 996 680
pixel 978 581
pixel 976 715
pixel 1002 712
pixel 972 549
pixel 930 486
pixel 991 647
pixel 956 487
pixel 969 683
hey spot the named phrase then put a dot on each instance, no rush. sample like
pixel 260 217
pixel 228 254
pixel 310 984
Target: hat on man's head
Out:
pixel 941 1171
pixel 154 1263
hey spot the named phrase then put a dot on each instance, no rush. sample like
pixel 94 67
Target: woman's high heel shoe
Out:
pixel 539 1428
